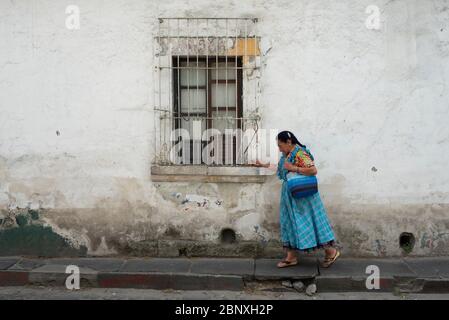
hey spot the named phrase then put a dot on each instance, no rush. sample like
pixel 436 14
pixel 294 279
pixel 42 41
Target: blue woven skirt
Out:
pixel 304 222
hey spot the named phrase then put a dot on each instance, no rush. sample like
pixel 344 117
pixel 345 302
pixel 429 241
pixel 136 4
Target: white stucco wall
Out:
pixel 359 99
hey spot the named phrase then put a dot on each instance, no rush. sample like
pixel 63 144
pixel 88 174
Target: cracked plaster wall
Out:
pixel 76 121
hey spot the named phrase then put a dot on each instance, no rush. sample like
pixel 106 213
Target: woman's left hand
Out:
pixel 290 167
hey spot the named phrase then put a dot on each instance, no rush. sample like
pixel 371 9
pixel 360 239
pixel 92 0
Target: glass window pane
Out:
pixel 220 72
pixel 188 124
pixel 226 120
pixel 193 76
pixel 219 95
pixel 197 101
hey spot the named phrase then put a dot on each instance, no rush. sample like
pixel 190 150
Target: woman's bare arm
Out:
pixel 261 165
pixel 268 165
pixel 310 171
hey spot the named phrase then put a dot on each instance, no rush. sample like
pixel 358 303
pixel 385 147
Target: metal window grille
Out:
pixel 207 77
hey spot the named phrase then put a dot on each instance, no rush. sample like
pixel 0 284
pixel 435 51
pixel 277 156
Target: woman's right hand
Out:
pixel 260 164
pixel 264 165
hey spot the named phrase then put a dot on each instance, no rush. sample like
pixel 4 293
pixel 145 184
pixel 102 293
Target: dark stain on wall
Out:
pixel 27 236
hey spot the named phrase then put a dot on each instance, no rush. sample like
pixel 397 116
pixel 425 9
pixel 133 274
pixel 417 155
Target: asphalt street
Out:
pixel 57 293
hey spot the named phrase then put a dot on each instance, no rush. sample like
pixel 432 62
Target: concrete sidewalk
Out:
pixel 408 275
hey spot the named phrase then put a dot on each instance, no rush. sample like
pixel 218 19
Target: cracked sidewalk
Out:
pixel 408 275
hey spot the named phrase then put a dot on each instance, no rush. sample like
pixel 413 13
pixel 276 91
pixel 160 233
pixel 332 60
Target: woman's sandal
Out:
pixel 286 263
pixel 329 261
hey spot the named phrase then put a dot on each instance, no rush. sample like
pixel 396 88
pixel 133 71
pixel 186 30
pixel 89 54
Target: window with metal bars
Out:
pixel 209 90
pixel 207 80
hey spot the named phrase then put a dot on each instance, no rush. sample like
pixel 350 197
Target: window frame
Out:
pixel 177 89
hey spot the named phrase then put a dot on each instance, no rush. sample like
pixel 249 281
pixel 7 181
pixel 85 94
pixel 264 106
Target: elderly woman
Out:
pixel 304 222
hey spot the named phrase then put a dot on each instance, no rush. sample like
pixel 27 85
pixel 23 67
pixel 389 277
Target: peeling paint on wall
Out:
pixel 354 96
pixel 23 233
pixel 246 48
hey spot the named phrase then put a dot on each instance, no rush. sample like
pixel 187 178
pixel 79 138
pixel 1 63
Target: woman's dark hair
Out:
pixel 287 135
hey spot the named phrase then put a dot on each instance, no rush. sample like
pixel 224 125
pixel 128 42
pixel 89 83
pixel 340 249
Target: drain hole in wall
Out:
pixel 227 236
pixel 407 241
pixel 182 252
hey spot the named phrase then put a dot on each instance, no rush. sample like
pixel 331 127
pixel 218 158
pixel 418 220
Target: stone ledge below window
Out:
pixel 212 174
